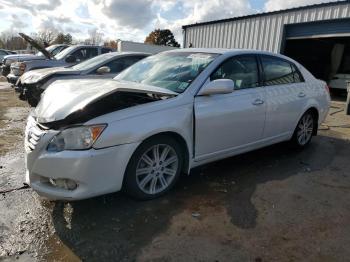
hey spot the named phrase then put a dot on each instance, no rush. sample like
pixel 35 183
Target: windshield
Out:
pixel 174 71
pixel 92 62
pixel 64 52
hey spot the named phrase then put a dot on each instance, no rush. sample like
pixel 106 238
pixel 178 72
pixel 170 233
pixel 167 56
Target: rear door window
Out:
pixel 279 72
pixel 242 70
pixel 85 53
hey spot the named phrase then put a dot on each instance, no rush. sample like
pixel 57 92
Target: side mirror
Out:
pixel 218 86
pixel 103 70
pixel 71 59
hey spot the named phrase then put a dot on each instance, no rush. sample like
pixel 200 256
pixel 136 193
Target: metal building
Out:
pixel 306 33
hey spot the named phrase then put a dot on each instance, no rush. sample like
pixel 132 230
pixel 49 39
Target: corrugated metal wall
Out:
pixel 263 32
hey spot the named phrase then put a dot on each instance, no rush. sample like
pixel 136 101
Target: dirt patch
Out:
pixel 13 112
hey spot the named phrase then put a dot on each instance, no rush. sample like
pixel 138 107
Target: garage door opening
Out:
pixel 326 58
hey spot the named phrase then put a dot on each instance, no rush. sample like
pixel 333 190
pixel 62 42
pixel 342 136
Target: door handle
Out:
pixel 258 102
pixel 301 94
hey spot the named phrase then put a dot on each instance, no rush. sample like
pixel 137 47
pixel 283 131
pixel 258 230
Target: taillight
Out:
pixel 327 88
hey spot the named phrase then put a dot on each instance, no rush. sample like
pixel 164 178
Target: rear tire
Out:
pixel 154 168
pixel 304 130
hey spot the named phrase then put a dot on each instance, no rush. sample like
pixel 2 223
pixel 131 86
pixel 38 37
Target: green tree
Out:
pixel 162 37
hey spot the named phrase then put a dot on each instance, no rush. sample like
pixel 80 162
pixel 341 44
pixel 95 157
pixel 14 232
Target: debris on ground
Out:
pixel 196 215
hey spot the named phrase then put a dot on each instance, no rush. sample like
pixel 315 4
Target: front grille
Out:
pixel 34 132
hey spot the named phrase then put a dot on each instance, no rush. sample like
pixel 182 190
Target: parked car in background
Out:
pixel 339 81
pixel 165 115
pixel 68 57
pixel 4 52
pixel 10 59
pixel 31 84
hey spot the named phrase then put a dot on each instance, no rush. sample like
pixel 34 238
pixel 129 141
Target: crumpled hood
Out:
pixel 35 76
pixel 64 97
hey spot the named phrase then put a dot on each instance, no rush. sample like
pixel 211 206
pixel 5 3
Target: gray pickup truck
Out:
pixel 68 57
pixel 13 58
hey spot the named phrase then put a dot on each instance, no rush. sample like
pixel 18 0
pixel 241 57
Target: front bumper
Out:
pixel 96 171
pixel 11 78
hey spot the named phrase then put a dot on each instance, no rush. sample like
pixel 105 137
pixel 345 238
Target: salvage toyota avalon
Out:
pixel 165 115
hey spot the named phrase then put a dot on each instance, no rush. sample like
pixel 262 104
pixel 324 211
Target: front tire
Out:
pixel 304 131
pixel 154 168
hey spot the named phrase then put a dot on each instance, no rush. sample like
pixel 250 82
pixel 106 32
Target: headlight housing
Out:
pixel 76 138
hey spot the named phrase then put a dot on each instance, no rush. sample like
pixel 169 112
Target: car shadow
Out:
pixel 116 227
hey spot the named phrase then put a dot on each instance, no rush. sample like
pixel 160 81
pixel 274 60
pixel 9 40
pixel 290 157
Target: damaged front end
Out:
pixel 94 98
pixel 111 103
pixel 29 92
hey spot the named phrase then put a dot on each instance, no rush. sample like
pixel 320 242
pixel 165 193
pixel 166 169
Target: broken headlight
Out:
pixel 76 138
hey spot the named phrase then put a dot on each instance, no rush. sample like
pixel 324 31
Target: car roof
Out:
pixel 225 51
pixel 221 51
pixel 82 45
pixel 59 45
pixel 116 54
pixel 132 53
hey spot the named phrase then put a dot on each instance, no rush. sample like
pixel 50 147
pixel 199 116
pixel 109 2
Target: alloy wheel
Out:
pixel 157 168
pixel 305 129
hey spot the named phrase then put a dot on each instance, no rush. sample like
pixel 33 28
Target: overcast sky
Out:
pixel 126 19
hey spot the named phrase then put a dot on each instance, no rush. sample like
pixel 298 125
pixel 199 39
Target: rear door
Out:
pixel 285 96
pixel 225 122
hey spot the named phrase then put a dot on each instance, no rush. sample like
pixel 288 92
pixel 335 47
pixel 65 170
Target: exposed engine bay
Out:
pixel 113 102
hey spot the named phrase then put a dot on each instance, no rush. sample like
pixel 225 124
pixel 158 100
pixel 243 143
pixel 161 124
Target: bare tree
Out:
pixel 10 40
pixel 95 37
pixel 46 37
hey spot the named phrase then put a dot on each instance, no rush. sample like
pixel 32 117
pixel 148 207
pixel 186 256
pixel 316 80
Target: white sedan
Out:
pixel 165 115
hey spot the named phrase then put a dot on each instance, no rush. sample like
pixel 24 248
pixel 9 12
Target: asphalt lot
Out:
pixel 274 204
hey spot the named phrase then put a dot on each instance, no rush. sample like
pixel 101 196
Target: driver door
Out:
pixel 225 123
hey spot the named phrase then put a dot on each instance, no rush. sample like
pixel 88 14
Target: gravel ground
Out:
pixel 274 204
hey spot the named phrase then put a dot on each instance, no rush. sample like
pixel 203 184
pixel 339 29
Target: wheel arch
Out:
pixel 315 113
pixel 182 142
